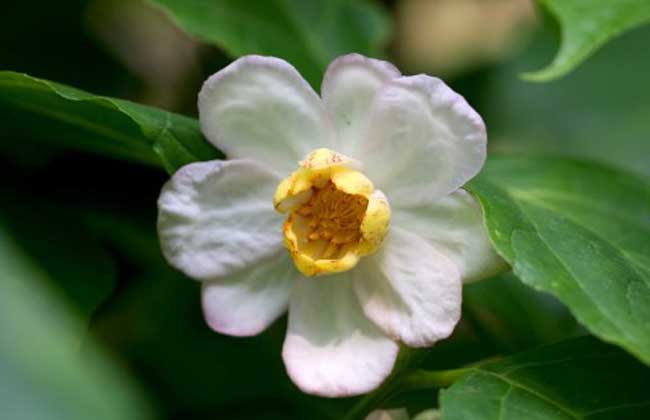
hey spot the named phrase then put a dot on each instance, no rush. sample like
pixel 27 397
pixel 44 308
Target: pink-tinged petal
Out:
pixel 410 290
pixel 246 303
pixel 424 141
pixel 454 226
pixel 216 218
pixel 331 348
pixel 348 90
pixel 261 108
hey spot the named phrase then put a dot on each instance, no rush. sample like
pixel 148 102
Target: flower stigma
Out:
pixel 335 215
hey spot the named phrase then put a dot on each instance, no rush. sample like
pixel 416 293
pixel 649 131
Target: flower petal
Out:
pixel 410 290
pixel 217 217
pixel 261 108
pixel 424 141
pixel 248 302
pixel 331 348
pixel 454 226
pixel 349 87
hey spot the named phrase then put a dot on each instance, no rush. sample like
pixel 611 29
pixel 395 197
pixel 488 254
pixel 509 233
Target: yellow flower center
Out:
pixel 335 216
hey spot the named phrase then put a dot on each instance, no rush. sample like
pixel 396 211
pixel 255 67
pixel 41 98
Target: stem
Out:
pixel 425 379
pixel 415 381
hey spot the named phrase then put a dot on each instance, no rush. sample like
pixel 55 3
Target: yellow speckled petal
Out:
pixel 312 268
pixel 292 192
pixel 338 265
pixel 375 224
pixel 352 182
pixel 325 159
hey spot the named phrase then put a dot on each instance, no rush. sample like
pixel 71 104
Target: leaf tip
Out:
pixel 547 74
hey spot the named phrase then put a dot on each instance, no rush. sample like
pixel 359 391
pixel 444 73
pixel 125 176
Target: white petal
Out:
pixel 217 217
pixel 397 414
pixel 410 290
pixel 331 348
pixel 454 225
pixel 246 303
pixel 424 140
pixel 349 87
pixel 261 108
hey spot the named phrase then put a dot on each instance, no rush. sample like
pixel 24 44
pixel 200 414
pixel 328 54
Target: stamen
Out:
pixel 333 216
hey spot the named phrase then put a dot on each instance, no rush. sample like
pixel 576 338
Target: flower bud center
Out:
pixel 333 218
pixel 335 215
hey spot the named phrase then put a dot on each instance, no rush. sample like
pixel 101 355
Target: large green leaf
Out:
pixel 579 231
pixel 576 379
pixel 44 374
pixel 585 26
pixel 307 33
pixel 41 110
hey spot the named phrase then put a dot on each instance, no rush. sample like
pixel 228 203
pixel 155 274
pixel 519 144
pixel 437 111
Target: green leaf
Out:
pixel 575 379
pixel 585 26
pixel 44 374
pixel 307 33
pixel 579 231
pixel 48 111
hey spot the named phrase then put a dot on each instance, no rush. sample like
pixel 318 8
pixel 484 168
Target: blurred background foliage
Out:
pixel 91 314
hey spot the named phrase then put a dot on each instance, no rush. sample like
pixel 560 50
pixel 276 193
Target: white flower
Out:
pixel 377 148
